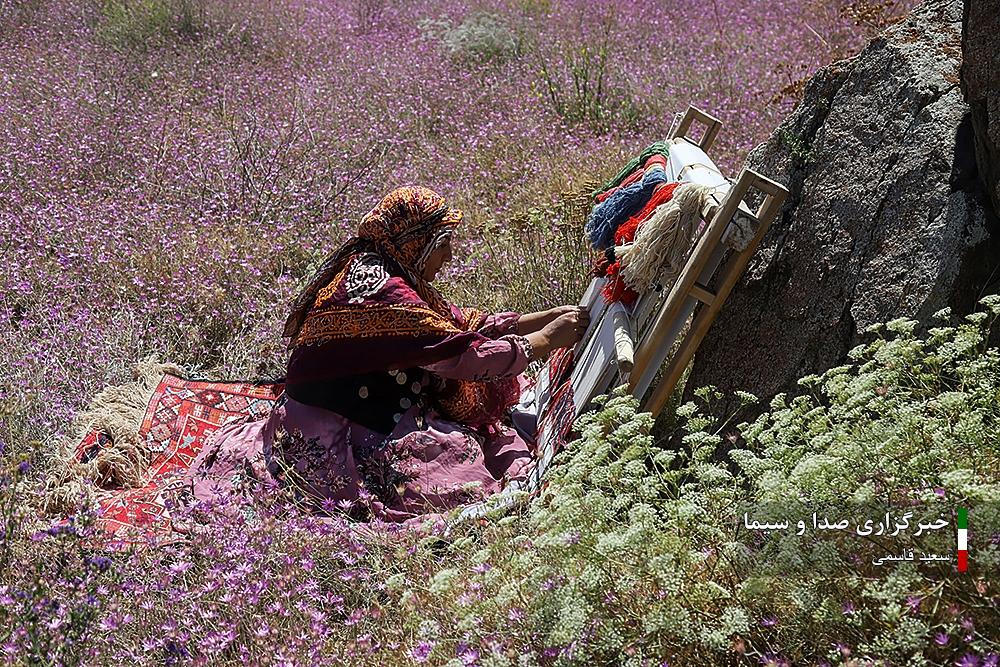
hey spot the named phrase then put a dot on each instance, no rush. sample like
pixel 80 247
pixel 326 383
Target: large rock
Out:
pixel 981 86
pixel 886 215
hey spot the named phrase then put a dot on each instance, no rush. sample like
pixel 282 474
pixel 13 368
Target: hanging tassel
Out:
pixel 663 242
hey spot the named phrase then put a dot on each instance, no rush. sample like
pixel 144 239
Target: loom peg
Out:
pixel 624 345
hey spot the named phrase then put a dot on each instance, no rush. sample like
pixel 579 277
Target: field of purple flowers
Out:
pixel 171 170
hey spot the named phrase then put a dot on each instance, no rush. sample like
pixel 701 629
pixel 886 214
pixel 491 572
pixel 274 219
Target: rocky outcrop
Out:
pixel 981 87
pixel 886 215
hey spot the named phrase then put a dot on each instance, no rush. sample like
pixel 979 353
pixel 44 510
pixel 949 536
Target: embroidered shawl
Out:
pixel 368 310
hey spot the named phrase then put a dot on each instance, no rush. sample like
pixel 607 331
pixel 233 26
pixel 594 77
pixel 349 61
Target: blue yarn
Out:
pixel 609 215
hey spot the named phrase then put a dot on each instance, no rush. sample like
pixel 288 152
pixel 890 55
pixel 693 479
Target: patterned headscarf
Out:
pixel 409 223
pixel 405 227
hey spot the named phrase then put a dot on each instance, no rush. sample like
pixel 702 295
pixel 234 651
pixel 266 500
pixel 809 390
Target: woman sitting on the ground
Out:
pixel 396 402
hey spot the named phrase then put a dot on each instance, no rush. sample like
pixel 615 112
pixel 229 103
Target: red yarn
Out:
pixel 615 289
pixel 663 194
pixel 634 176
pixel 600 268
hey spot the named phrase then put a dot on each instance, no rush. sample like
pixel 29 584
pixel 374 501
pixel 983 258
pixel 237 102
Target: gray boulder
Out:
pixel 981 86
pixel 886 215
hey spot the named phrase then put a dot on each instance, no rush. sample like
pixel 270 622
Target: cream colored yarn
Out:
pixel 663 242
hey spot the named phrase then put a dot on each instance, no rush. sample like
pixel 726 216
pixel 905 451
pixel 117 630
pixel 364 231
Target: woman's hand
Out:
pixel 565 330
pixel 532 322
pixel 568 328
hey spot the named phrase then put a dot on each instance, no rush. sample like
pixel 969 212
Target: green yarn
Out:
pixel 655 148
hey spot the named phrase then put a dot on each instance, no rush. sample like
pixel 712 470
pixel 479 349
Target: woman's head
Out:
pixel 438 256
pixel 413 224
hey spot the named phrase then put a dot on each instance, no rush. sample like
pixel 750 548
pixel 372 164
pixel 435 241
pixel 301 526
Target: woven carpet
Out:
pixel 179 418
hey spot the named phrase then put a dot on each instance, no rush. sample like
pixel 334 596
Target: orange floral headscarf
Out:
pixel 406 226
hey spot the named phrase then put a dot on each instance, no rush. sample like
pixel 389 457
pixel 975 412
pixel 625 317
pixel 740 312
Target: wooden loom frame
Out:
pixel 639 353
pixel 693 283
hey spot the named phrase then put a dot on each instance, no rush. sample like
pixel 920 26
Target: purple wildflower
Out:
pixel 421 651
pixel 469 656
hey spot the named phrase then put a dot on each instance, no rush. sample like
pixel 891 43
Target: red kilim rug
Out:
pixel 179 418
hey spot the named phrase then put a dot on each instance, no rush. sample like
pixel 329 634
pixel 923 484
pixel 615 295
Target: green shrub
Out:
pixel 637 552
pixel 140 24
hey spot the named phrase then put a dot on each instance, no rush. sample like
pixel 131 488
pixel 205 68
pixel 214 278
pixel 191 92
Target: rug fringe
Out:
pixel 117 411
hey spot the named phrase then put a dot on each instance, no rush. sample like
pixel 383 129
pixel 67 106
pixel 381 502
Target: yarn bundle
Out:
pixel 615 289
pixel 662 242
pixel 644 224
pixel 661 148
pixel 624 202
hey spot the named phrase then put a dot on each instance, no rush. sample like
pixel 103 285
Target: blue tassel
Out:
pixel 609 215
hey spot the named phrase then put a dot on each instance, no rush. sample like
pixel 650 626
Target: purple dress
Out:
pixel 426 464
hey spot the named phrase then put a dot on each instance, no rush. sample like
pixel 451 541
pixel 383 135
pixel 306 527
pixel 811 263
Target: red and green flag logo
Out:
pixel 963 539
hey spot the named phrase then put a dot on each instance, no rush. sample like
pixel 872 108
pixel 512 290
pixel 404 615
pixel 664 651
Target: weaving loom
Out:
pixel 629 344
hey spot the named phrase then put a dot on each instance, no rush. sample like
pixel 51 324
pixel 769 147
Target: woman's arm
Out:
pixel 566 329
pixel 499 324
pixel 533 322
pixel 509 355
pixel 485 359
